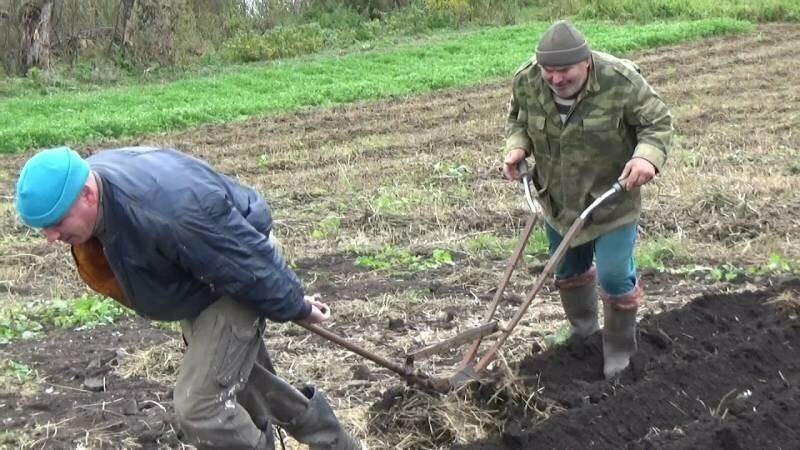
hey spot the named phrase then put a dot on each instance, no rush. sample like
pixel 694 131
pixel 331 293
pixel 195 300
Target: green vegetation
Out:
pixel 776 265
pixel 344 28
pixel 650 10
pixel 490 246
pixel 25 321
pixel 560 337
pixel 18 372
pixel 22 380
pixel 391 257
pixel 450 171
pixel 327 228
pixel 16 322
pixel 202 35
pixel 493 246
pixel 793 169
pixel 391 203
pixel 658 252
pixel 468 59
pixel 174 327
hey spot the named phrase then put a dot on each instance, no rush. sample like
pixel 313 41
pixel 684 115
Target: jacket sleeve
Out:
pixel 222 249
pixel 652 120
pixel 516 127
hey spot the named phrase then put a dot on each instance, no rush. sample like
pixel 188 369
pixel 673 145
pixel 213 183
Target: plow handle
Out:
pixel 525 179
pixel 342 342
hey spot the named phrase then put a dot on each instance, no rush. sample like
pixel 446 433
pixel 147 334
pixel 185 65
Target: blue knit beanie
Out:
pixel 48 186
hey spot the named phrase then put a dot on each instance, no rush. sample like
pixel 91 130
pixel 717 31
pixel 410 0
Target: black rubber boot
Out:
pixel 619 331
pixel 579 299
pixel 318 427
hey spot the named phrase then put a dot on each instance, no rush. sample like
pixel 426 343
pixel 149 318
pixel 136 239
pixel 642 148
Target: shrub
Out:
pixel 461 9
pixel 281 42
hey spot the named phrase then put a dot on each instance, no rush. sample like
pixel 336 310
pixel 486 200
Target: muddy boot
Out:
pixel 579 298
pixel 318 427
pixel 267 439
pixel 619 331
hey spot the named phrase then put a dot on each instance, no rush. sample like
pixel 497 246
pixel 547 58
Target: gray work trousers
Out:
pixel 227 392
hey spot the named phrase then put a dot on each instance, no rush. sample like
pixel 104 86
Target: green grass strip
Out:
pixel 468 59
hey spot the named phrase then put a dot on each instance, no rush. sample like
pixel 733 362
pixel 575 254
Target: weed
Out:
pixel 794 168
pixel 726 272
pixel 391 257
pixel 16 323
pixel 776 265
pixel 19 371
pixel 687 157
pixel 656 253
pixel 19 378
pixel 493 246
pixel 83 313
pixel 538 243
pixel 26 321
pixel 560 337
pixel 327 228
pixel 490 245
pixel 451 171
pixel 168 326
pixel 389 203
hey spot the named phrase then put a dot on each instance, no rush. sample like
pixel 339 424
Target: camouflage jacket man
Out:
pixel 617 116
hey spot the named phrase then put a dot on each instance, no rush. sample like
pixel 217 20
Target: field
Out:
pixel 395 211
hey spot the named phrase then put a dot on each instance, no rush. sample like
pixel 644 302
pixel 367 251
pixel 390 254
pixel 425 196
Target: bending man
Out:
pixel 168 236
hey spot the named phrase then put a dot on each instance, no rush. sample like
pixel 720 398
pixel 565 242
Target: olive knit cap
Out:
pixel 562 45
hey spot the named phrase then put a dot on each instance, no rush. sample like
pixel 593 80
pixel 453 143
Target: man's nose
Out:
pixel 51 235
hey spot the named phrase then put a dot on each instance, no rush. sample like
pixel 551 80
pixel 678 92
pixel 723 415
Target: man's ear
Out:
pixel 89 193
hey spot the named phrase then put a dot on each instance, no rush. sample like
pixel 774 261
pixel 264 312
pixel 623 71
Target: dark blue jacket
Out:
pixel 178 235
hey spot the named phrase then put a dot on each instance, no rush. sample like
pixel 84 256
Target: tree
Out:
pixel 35 35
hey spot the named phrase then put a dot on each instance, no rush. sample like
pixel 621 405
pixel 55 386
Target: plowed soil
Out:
pixel 719 373
pixel 718 360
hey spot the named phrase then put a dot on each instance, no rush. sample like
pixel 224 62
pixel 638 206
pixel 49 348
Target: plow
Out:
pixel 473 366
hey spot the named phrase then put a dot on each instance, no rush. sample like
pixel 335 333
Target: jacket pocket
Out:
pixel 236 353
pixel 536 131
pixel 600 124
pixel 602 135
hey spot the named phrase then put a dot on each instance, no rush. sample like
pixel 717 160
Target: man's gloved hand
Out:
pixel 320 312
pixel 510 165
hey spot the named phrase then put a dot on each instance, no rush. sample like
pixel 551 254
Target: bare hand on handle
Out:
pixel 320 312
pixel 637 172
pixel 511 164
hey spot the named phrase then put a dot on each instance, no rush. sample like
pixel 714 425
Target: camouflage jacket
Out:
pixel 616 117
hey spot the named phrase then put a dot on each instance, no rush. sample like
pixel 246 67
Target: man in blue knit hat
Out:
pixel 173 239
